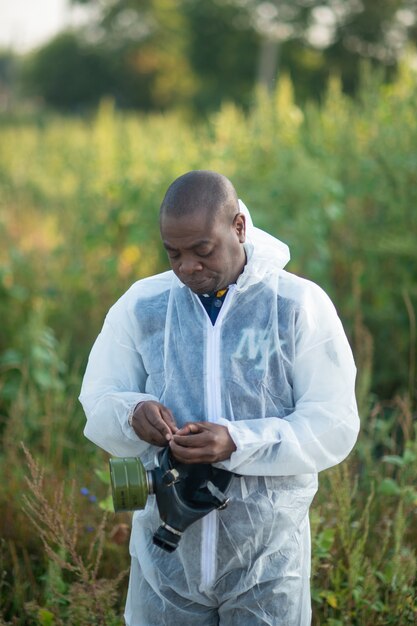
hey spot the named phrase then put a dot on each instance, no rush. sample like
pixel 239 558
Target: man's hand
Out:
pixel 202 442
pixel 153 422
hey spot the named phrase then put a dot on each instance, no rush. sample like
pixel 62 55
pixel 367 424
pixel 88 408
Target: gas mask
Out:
pixel 184 493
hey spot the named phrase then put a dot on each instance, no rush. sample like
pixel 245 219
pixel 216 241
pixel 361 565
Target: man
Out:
pixel 229 360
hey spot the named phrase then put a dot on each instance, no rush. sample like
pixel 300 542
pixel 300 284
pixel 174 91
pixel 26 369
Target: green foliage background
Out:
pixel 79 201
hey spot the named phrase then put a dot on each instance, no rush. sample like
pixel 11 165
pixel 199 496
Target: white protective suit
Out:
pixel 277 370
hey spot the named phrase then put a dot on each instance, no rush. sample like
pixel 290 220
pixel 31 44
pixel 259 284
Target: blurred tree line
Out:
pixel 161 54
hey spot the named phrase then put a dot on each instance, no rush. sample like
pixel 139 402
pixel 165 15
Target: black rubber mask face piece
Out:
pixel 185 494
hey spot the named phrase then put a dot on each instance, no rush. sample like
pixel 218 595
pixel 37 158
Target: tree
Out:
pixel 66 73
pixel 344 32
pixel 147 39
pixel 222 50
pixel 159 54
pixel 8 72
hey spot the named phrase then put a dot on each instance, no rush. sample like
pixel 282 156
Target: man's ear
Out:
pixel 239 224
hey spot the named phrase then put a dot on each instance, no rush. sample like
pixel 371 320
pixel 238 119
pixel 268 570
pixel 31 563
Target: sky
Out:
pixel 25 24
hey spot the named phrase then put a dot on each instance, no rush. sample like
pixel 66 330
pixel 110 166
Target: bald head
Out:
pixel 203 231
pixel 200 191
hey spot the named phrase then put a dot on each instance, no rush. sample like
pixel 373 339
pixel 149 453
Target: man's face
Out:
pixel 205 254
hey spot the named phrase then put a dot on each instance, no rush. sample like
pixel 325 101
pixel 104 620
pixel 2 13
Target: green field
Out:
pixel 79 200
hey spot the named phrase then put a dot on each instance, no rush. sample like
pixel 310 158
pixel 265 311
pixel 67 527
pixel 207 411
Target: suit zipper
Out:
pixel 213 404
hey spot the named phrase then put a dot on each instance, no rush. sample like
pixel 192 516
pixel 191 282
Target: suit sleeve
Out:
pixel 114 383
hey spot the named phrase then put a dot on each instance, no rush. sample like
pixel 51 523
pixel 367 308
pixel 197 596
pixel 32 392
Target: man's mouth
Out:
pixel 199 286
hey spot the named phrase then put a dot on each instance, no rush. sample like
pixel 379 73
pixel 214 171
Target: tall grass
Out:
pixel 78 224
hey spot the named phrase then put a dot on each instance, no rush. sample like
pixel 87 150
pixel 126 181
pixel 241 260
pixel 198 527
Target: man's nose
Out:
pixel 189 266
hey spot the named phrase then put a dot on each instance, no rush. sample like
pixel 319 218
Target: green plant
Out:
pixel 83 597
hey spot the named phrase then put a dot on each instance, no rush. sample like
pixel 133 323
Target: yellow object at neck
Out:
pixel 220 293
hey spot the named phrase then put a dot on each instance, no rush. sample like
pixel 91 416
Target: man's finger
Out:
pixel 211 443
pixel 191 427
pixel 154 423
pixel 160 416
pixel 149 432
pixel 189 455
pixel 198 440
pixel 168 418
pixel 154 416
